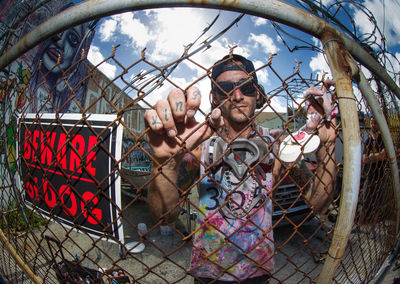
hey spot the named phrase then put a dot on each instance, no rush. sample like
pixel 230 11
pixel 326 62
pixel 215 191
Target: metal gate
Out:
pixel 76 164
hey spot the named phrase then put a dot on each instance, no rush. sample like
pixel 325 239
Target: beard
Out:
pixel 237 115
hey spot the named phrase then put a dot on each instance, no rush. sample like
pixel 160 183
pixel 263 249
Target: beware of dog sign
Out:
pixel 69 171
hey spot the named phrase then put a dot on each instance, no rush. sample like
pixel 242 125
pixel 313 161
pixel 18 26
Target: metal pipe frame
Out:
pixel 273 10
pixel 341 73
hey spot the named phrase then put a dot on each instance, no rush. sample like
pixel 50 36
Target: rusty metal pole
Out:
pixel 18 259
pixel 341 72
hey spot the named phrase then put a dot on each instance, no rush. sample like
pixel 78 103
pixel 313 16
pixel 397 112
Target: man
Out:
pixel 233 162
pixel 374 154
pixel 373 193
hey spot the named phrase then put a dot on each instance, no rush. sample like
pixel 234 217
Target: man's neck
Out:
pixel 237 130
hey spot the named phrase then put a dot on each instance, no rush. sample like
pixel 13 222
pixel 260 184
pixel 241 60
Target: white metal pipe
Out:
pixel 273 9
pixel 341 72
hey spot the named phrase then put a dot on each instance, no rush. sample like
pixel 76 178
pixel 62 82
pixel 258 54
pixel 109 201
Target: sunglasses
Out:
pixel 225 87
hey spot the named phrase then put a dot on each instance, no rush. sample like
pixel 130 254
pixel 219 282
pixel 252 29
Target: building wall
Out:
pixel 277 121
pixel 105 97
pixel 274 123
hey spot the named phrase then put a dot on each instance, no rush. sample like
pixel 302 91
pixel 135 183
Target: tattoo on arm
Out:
pixel 189 171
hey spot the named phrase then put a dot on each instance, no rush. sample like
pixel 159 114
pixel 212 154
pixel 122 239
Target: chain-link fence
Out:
pixel 77 167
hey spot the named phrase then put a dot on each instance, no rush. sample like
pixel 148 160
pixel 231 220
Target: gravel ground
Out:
pixel 166 258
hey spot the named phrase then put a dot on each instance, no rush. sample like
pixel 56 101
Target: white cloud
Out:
pixel 240 49
pixel 217 50
pixel 164 32
pixel 95 57
pixel 318 63
pixel 386 15
pixel 176 28
pixel 264 42
pixel 316 41
pixel 107 29
pixel 137 32
pixel 126 24
pixel 262 75
pixel 258 21
pixel 277 105
pixel 328 2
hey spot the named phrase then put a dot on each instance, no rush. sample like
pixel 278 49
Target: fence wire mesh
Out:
pixel 74 206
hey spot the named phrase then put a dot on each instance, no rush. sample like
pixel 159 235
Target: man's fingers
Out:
pixel 152 120
pixel 163 110
pixel 321 102
pixel 193 100
pixel 177 102
pixel 313 119
pixel 216 120
pixel 313 91
pixel 327 84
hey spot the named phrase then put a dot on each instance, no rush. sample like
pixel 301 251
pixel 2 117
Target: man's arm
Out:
pixel 320 192
pixel 169 185
pixel 174 131
pixel 278 135
pixel 163 193
pixel 374 157
pixel 317 180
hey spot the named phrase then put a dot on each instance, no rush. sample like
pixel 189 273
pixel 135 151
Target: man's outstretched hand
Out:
pixel 319 106
pixel 172 122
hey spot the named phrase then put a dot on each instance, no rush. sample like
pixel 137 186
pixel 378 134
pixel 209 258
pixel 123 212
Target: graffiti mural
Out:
pixel 137 159
pixel 53 70
pixel 12 100
pixel 60 60
pixel 38 81
pixel 52 92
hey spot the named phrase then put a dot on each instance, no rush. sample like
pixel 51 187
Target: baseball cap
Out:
pixel 233 62
pixel 237 62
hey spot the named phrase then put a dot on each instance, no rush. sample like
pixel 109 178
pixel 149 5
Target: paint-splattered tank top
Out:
pixel 239 246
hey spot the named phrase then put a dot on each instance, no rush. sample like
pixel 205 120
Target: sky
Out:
pixel 164 33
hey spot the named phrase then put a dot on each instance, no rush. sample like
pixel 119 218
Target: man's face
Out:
pixel 374 125
pixel 239 108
